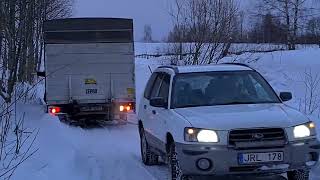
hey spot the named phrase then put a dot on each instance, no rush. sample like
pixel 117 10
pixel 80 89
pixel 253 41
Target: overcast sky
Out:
pixel 153 12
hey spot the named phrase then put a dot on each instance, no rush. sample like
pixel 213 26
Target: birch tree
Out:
pixel 21 45
pixel 21 39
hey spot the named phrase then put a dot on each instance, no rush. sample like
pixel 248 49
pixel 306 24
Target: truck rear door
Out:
pixel 123 86
pixel 89 88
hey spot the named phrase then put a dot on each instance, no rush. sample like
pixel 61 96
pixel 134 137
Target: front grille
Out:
pixel 257 137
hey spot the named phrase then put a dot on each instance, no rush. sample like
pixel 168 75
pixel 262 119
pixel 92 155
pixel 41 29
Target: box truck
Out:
pixel 89 67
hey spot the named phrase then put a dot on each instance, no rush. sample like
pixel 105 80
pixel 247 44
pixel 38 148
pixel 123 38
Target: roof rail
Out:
pixel 239 64
pixel 174 68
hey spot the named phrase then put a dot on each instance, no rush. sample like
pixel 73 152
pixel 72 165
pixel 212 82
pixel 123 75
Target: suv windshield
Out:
pixel 221 88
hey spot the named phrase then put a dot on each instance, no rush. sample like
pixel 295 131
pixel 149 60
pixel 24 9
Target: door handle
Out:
pixel 154 112
pixel 145 106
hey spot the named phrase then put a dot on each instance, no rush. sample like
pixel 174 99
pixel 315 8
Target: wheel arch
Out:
pixel 140 126
pixel 169 141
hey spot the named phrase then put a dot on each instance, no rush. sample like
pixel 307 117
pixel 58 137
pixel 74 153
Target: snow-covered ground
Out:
pixel 113 153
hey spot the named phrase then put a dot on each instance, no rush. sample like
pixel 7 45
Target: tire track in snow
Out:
pixel 110 154
pixel 119 166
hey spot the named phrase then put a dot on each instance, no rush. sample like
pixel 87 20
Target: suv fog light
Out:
pixel 204 164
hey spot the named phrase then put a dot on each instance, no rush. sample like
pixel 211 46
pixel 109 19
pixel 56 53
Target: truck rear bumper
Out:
pixel 224 160
pixel 110 111
pixel 83 109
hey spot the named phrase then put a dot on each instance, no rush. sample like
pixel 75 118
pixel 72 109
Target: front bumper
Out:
pixel 297 155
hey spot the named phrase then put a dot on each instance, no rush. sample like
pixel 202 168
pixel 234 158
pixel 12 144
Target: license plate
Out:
pixel 254 158
pixel 94 108
pixel 91 91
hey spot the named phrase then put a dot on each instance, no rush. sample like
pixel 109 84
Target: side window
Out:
pixel 259 90
pixel 156 86
pixel 149 85
pixel 164 89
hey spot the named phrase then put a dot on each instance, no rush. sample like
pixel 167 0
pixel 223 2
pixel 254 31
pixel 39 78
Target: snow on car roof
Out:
pixel 208 68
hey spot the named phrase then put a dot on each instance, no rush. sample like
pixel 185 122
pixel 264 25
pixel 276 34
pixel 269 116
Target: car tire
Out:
pixel 148 157
pixel 175 172
pixel 298 175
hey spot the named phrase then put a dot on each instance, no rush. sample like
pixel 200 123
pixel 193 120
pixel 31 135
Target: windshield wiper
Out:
pixel 188 105
pixel 237 102
pixel 241 102
pixel 222 104
pixel 199 105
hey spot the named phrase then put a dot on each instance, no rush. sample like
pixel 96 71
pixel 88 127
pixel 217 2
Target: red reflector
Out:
pixel 55 110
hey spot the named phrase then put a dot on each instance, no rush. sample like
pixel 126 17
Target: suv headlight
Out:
pixel 201 135
pixel 304 130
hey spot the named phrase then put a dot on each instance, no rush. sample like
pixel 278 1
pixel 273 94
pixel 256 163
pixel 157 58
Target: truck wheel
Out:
pixel 175 172
pixel 298 175
pixel 148 157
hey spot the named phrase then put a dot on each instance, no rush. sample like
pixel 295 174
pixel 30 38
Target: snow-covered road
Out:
pixel 110 153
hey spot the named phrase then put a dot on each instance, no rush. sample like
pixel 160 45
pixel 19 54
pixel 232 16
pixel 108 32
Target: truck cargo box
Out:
pixel 89 61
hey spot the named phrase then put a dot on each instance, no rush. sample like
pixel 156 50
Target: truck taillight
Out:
pixel 121 108
pixel 54 110
pixel 126 107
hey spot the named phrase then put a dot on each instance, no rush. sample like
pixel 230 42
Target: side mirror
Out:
pixel 158 102
pixel 285 96
pixel 41 74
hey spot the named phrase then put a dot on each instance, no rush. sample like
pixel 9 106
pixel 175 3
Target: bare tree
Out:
pixel 313 30
pixel 1 28
pixel 206 26
pixel 56 9
pixel 292 13
pixel 242 18
pixel 21 38
pixel 21 45
pixel 16 144
pixel 147 34
pixel 267 29
pixel 310 103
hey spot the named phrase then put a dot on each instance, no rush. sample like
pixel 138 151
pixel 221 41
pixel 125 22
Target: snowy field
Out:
pixel 163 48
pixel 113 153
